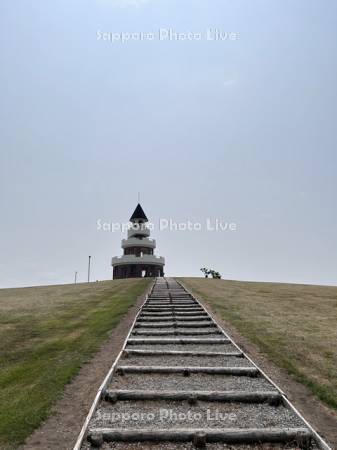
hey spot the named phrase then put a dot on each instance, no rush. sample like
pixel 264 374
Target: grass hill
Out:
pixel 46 334
pixel 294 325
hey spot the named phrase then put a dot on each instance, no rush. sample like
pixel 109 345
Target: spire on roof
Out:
pixel 138 214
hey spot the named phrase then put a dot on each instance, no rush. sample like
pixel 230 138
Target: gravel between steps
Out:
pixel 189 347
pixel 168 414
pixel 172 322
pixel 177 313
pixel 183 336
pixel 170 325
pixel 231 361
pixel 161 318
pixel 174 302
pixel 195 382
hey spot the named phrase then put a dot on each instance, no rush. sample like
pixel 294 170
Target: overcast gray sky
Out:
pixel 240 129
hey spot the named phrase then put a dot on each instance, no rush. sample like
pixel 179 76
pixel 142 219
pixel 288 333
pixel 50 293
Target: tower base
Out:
pixel 137 271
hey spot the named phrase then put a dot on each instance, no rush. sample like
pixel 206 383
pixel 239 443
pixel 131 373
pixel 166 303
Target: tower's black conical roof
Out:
pixel 138 214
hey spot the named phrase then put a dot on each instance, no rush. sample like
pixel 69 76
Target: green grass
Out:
pixel 295 326
pixel 46 335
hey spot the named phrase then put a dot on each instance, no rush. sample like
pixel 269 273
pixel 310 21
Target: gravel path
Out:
pixel 173 415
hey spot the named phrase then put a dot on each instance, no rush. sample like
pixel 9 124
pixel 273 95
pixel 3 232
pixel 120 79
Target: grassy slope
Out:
pixel 294 325
pixel 46 334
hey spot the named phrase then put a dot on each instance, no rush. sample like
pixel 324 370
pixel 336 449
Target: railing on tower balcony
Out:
pixel 143 231
pixel 134 242
pixel 133 259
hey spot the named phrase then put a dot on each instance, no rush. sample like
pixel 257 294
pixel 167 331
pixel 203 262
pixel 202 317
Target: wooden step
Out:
pixel 271 397
pixel 175 324
pixel 136 341
pixel 150 319
pixel 176 332
pixel 235 371
pixel 181 353
pixel 301 436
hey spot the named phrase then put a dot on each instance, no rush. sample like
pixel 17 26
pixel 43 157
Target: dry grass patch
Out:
pixel 294 325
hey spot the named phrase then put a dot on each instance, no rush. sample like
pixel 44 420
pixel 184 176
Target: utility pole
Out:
pixel 89 264
pixel 75 277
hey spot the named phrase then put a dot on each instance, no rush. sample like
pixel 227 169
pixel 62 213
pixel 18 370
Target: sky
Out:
pixel 213 110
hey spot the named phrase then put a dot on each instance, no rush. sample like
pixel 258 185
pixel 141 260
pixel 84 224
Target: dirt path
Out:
pixel 61 429
pixel 320 417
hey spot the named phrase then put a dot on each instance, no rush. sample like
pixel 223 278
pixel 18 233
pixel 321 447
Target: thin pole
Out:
pixel 89 264
pixel 75 277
